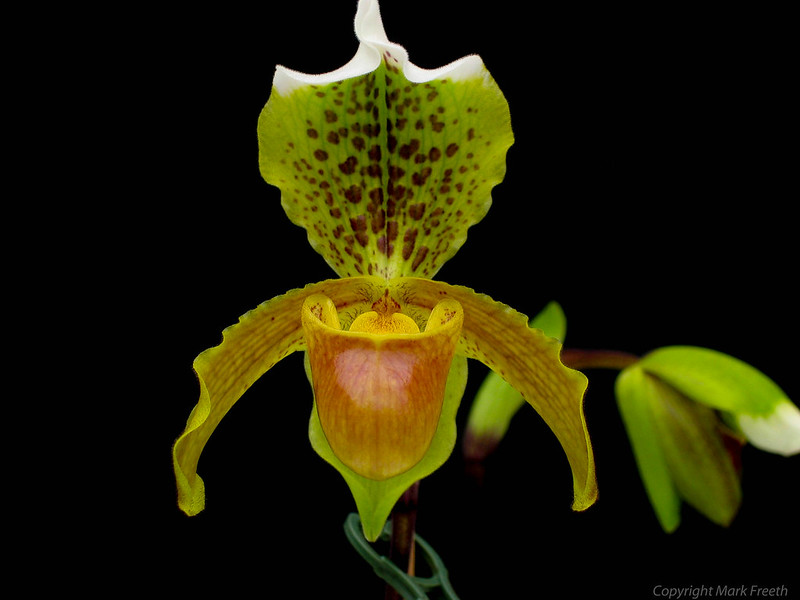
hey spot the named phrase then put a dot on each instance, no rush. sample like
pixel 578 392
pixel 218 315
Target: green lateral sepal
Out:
pixel 755 404
pixel 679 449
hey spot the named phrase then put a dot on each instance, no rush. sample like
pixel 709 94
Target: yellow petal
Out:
pixel 379 387
pixel 530 361
pixel 262 337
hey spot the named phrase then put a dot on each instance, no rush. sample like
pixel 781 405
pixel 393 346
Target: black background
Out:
pixel 649 191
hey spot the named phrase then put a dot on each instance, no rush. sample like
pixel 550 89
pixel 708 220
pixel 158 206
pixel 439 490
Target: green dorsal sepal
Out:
pixel 386 165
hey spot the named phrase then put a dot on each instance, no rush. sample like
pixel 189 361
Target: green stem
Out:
pixel 597 359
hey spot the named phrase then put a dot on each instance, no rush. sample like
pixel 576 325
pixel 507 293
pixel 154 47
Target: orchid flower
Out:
pixel 687 412
pixel 386 165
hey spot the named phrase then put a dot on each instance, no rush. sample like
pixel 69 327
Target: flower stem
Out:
pixel 597 359
pixel 402 543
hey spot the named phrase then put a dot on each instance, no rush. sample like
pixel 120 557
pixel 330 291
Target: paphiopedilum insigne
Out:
pixel 386 165
pixel 687 410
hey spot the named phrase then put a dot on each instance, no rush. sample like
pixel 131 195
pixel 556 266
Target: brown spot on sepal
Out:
pixel 348 167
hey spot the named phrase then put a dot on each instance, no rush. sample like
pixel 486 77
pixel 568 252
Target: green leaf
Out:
pixel 384 164
pixel 759 407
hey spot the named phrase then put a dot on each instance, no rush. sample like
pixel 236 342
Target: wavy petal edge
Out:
pixel 499 337
pixel 249 348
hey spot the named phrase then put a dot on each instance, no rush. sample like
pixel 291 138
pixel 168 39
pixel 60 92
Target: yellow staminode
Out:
pixel 385 319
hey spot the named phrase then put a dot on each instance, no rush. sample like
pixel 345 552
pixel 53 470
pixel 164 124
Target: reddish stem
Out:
pixel 597 359
pixel 402 544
